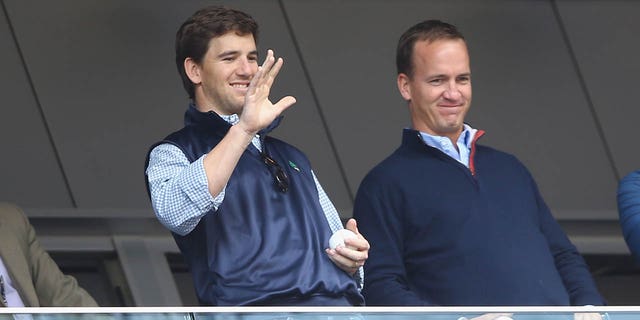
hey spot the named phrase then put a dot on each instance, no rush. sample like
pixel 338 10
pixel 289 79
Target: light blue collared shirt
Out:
pixel 445 145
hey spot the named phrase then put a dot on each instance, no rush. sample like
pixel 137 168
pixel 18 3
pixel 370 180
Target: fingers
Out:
pixel 344 263
pixel 265 71
pixel 358 244
pixel 354 249
pixel 259 75
pixel 258 111
pixel 260 85
pixel 269 68
pixel 274 70
pixel 266 76
pixel 267 63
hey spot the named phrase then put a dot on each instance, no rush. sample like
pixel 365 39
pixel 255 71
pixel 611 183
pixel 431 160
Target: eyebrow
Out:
pixel 234 53
pixel 442 75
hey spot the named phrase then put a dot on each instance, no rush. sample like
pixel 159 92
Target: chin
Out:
pixel 451 126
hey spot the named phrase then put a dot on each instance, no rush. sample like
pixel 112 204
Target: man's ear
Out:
pixel 192 69
pixel 403 86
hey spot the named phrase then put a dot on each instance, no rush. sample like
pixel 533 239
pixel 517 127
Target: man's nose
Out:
pixel 245 67
pixel 452 91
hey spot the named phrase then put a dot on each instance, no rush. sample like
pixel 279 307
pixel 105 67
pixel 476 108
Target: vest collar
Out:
pixel 211 121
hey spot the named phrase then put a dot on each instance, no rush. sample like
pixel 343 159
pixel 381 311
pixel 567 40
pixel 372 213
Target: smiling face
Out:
pixel 222 78
pixel 439 89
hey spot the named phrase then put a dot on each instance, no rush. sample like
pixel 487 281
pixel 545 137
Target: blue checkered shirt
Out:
pixel 180 192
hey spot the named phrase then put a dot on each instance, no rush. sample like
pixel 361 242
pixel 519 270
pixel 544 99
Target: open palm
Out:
pixel 258 111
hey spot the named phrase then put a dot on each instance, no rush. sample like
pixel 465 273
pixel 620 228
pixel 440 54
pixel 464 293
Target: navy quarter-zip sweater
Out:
pixel 262 246
pixel 444 234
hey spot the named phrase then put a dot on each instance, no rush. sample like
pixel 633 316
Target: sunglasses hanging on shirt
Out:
pixel 281 178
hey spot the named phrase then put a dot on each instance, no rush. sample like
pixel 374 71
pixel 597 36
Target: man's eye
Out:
pixel 464 79
pixel 253 58
pixel 435 82
pixel 227 59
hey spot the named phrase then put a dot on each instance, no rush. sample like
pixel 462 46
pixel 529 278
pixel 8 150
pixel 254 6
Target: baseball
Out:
pixel 337 239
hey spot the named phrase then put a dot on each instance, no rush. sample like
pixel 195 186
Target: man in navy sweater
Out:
pixel 245 209
pixel 452 222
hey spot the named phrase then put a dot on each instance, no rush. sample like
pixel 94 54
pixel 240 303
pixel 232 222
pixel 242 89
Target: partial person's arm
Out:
pixel 629 211
pixel 53 288
pixel 574 271
pixel 179 191
pixel 380 220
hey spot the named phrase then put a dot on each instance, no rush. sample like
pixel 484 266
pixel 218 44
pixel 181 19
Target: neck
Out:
pixel 203 105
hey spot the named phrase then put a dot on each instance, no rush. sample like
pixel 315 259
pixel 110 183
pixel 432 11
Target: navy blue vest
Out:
pixel 262 246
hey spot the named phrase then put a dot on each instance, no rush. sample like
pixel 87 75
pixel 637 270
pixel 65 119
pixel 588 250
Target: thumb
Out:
pixel 284 103
pixel 352 225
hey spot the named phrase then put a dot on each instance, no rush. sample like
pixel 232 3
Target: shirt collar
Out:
pixel 467 135
pixel 465 138
pixel 232 119
pixel 460 151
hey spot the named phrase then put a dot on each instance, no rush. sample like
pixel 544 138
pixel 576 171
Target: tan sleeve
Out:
pixel 53 288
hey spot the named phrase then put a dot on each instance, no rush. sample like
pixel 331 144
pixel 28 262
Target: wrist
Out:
pixel 241 134
pixel 246 130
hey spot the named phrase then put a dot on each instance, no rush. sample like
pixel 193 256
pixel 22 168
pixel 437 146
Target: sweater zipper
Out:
pixel 447 158
pixel 472 154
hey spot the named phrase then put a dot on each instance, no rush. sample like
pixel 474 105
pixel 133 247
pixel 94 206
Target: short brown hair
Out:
pixel 429 30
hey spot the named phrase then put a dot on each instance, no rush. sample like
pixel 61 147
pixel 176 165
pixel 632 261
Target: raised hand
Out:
pixel 258 111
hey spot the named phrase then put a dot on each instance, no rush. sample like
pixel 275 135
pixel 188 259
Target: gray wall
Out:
pixel 86 86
